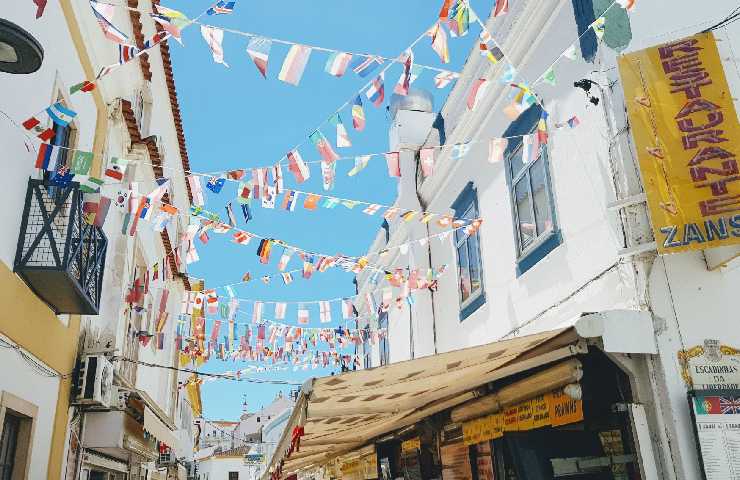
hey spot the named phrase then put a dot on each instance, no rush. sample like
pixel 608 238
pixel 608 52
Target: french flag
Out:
pixel 376 92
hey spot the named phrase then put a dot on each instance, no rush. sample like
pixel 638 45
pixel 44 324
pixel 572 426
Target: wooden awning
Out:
pixel 343 413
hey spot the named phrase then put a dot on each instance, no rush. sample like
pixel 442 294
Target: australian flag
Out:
pixel 215 184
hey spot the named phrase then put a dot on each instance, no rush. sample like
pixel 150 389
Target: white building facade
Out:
pixel 567 233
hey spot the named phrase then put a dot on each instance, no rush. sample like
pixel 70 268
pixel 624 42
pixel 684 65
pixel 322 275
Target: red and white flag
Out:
pixel 394 165
pixel 477 92
pixel 496 148
pixel 196 189
pixel 294 64
pixel 280 309
pixel 372 209
pixel 325 311
pixel 298 167
pixel 347 308
pixel 404 81
pixel 426 157
pixel 214 38
pixel 257 312
pixel 502 8
pixel 442 79
pixel 303 316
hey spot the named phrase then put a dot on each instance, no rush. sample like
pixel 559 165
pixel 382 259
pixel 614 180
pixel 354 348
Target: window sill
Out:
pixel 538 251
pixel 472 306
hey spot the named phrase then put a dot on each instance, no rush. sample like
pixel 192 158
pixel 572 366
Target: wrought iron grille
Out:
pixel 60 256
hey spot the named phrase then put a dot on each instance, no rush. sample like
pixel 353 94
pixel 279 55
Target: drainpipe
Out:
pixel 429 257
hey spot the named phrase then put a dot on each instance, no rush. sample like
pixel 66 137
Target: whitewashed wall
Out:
pixel 585 273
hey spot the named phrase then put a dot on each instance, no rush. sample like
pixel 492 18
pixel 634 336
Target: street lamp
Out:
pixel 19 51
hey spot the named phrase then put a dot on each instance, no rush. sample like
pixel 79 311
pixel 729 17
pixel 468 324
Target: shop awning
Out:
pixel 345 412
pixel 158 430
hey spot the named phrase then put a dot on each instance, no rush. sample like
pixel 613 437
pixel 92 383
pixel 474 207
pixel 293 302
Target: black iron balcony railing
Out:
pixel 60 256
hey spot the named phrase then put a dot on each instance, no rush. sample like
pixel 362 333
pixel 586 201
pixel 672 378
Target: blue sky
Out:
pixel 233 118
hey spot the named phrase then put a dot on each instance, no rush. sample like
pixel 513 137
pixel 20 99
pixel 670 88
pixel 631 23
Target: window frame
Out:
pixel 366 349
pixel 529 255
pixel 467 199
pixel 27 412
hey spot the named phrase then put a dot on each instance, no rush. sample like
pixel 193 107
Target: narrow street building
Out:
pixel 90 295
pixel 570 252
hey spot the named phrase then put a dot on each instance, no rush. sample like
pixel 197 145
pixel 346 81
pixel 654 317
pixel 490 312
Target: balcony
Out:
pixel 60 256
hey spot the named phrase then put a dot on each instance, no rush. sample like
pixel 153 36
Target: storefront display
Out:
pixel 716 415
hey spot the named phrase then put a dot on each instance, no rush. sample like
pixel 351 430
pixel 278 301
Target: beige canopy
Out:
pixel 345 412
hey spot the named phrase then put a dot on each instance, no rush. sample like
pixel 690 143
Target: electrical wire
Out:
pixel 35 365
pixel 205 374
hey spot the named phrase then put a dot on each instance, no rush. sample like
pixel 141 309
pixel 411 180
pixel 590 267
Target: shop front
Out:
pixel 550 405
pixel 582 431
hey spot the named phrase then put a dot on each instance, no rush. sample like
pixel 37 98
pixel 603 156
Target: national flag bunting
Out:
pixel 394 164
pixel 426 158
pixel 337 63
pixel 496 149
pixel 171 20
pixel 360 164
pixel 442 79
pixel 33 124
pixel 311 202
pixel 358 114
pixel 196 190
pixel 294 64
pixel 347 308
pixel 88 184
pixel 230 214
pixel 323 146
pixel 303 317
pixel 222 7
pixel 214 38
pixel 60 114
pixel 104 16
pixel 477 92
pixel 258 50
pixel 376 92
pixel 342 135
pixel 502 8
pixel 404 81
pixel 372 209
pixel 439 42
pixel 297 166
pixel 126 53
pixel 242 238
pixel 364 65
pixel 47 157
pixel 280 309
pixel 328 174
pixel 215 184
pixel 325 311
pixel 290 199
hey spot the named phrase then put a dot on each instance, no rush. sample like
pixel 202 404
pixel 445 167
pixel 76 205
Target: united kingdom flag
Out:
pixel 729 405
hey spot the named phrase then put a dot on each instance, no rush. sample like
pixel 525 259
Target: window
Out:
pixel 16 429
pixel 233 475
pixel 366 352
pixel 8 445
pixel 63 138
pixel 533 206
pixel 469 264
pixel 383 341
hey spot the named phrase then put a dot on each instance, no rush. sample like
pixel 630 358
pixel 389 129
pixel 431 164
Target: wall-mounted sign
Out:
pixel 554 408
pixel 686 132
pixel 711 366
pixel 716 417
pixel 254 459
pixel 411 445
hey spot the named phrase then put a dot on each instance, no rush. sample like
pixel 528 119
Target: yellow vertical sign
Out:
pixel 686 132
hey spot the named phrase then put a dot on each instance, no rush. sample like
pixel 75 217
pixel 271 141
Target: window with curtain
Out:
pixel 533 207
pixel 469 263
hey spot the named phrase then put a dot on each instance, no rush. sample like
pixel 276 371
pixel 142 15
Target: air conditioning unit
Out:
pixel 95 382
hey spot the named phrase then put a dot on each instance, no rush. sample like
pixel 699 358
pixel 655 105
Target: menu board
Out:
pixel 717 419
pixel 456 462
